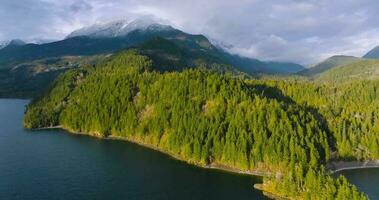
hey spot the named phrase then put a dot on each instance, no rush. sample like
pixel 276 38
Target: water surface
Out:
pixel 55 165
pixel 366 180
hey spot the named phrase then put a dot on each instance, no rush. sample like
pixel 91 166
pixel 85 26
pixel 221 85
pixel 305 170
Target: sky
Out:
pixel 301 31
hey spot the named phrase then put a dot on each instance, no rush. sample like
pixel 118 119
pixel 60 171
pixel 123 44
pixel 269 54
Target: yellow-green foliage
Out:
pixel 359 70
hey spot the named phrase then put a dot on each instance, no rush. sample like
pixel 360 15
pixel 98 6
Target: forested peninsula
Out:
pixel 289 129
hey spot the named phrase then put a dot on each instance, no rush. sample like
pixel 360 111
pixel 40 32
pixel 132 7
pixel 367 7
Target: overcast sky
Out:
pixel 303 31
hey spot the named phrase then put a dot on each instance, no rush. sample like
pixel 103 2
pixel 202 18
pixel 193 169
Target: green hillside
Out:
pixel 361 70
pixel 203 117
pixel 30 79
pixel 33 78
pixel 327 64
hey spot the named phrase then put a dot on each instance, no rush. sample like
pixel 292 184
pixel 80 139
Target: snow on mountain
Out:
pixel 119 28
pixel 15 42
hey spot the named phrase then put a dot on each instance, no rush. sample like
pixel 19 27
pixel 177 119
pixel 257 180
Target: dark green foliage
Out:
pixel 351 111
pixel 31 79
pixel 46 109
pixel 206 116
pixel 199 116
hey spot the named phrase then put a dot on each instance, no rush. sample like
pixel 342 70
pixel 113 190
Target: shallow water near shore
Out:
pixel 52 164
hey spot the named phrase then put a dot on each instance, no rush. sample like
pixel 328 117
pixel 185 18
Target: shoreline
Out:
pixel 332 166
pixel 211 166
pixel 338 166
pixel 47 128
pixel 214 166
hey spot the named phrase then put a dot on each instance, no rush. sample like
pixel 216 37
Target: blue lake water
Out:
pixel 52 164
pixel 366 180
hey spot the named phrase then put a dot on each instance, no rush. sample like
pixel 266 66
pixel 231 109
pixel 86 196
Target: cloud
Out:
pixel 303 31
pixel 80 6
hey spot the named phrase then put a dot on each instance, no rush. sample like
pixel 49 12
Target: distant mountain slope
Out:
pixel 284 67
pixel 78 46
pixel 114 36
pixel 119 28
pixel 31 79
pixel 15 42
pixel 364 69
pixel 255 66
pixel 373 54
pixel 171 56
pixel 327 64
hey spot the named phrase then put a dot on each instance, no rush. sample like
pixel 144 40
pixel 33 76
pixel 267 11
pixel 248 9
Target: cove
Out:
pixel 366 180
pixel 52 164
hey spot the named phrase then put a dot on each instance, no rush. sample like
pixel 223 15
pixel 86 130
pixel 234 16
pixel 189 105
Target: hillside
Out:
pixel 31 79
pixel 283 67
pixel 327 64
pixel 205 118
pixel 361 70
pixel 118 35
pixel 372 54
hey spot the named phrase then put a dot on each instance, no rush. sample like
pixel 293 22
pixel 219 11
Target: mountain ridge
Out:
pixel 91 41
pixel 328 64
pixel 372 54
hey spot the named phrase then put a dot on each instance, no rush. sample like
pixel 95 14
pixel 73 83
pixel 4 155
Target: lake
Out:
pixel 366 180
pixel 56 165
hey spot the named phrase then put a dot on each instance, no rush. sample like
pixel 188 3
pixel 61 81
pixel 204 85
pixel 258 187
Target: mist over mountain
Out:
pixel 15 42
pixel 119 28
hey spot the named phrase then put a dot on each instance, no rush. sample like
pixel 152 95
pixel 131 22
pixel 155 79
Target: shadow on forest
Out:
pixel 271 92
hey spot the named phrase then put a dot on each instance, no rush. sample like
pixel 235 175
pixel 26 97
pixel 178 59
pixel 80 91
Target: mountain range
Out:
pixel 117 35
pixel 171 49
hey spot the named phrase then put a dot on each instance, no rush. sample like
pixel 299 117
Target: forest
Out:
pixel 288 128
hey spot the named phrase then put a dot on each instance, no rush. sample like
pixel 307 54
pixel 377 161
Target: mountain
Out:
pixel 254 66
pixel 327 64
pixel 373 54
pixel 359 70
pixel 40 41
pixel 114 36
pixel 31 79
pixel 173 49
pixel 83 45
pixel 283 67
pixel 119 28
pixel 15 42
